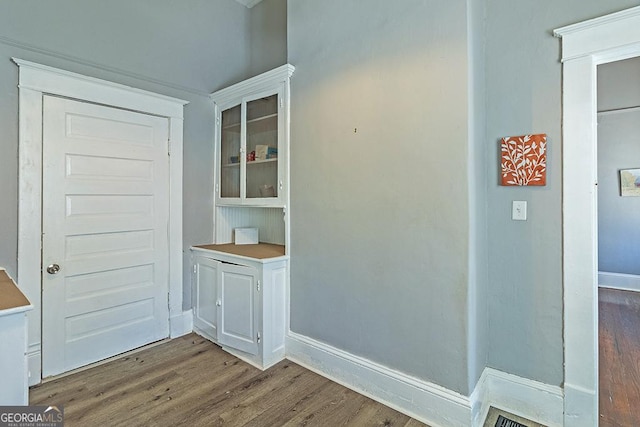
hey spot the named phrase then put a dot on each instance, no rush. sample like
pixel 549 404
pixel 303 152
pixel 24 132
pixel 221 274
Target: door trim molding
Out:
pixel 584 46
pixel 35 80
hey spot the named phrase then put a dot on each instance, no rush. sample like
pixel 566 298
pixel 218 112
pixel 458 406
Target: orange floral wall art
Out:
pixel 523 160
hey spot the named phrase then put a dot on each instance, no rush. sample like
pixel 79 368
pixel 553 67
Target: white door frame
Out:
pixel 584 46
pixel 35 81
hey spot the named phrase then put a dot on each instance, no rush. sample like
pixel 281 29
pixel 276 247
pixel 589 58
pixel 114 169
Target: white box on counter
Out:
pixel 245 236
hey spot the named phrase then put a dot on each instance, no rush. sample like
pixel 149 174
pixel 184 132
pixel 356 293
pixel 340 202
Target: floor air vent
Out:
pixel 506 422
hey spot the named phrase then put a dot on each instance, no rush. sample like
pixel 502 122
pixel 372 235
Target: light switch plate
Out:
pixel 519 210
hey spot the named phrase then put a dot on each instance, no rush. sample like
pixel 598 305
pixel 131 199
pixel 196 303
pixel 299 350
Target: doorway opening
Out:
pixel 584 46
pixel 618 161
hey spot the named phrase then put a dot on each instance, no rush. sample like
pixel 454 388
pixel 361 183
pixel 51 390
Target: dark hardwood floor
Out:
pixel 189 381
pixel 619 338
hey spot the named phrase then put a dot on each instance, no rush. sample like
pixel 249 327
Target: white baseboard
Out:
pixel 430 403
pixel 34 364
pixel 625 282
pixel 536 401
pixel 181 324
pixel 579 406
pixel 427 402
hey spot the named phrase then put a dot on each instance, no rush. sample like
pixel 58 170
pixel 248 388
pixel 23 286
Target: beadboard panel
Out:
pixel 269 221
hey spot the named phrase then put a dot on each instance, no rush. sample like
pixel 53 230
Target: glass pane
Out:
pixel 262 147
pixel 230 153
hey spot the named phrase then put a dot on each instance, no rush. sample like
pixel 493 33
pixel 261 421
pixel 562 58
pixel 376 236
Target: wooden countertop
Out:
pixel 11 298
pixel 257 251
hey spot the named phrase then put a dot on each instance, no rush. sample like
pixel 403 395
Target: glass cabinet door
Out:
pixel 262 147
pixel 230 152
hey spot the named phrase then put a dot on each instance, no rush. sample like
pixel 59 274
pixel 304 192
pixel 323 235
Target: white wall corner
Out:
pixel 430 403
pixel 536 401
pixel 181 324
pixel 480 401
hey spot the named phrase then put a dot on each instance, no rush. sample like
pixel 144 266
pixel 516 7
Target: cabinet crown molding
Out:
pixel 280 74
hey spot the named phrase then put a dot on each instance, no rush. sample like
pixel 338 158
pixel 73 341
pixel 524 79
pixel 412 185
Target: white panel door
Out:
pixel 238 296
pixel 105 223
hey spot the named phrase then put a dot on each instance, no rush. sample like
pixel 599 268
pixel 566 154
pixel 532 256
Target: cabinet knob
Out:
pixel 219 303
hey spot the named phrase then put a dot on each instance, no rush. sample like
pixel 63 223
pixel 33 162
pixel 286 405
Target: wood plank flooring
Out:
pixel 190 381
pixel 619 340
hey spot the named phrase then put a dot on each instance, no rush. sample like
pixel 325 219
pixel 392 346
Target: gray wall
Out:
pixel 619 84
pixel 618 148
pixel 268 32
pixel 403 247
pixel 525 258
pixel 181 49
pixel 379 182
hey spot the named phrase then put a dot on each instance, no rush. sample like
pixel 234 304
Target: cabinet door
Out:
pixel 205 289
pixel 230 152
pixel 263 135
pixel 251 151
pixel 238 299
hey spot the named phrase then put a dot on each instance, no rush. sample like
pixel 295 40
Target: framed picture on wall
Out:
pixel 630 182
pixel 523 160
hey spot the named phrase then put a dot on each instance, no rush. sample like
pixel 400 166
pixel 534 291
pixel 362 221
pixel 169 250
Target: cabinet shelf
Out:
pixel 236 126
pixel 254 162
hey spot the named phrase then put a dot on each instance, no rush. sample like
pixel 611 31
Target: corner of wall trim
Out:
pixel 420 399
pixel 534 400
pixel 181 324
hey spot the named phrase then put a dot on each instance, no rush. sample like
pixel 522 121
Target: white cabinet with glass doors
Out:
pixel 252 141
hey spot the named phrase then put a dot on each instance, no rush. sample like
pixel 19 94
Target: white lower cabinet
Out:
pixel 238 308
pixel 239 303
pixel 205 285
pixel 14 373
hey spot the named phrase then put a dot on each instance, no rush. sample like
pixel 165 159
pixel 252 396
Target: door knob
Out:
pixel 53 269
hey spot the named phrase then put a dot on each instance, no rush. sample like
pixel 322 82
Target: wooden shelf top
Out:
pixel 257 251
pixel 11 297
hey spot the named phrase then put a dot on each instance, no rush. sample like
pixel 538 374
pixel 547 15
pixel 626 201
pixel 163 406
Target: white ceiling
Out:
pixel 249 3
